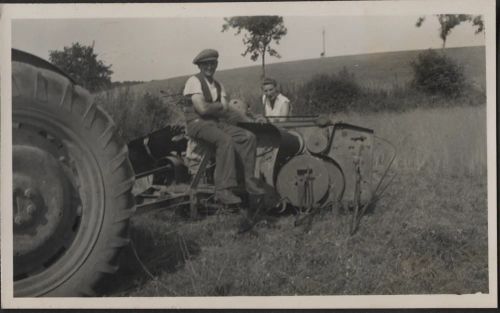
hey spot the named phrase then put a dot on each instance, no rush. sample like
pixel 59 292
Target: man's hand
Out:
pixel 261 119
pixel 207 109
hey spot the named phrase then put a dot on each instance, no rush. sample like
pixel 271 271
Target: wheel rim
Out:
pixel 58 196
pixel 45 207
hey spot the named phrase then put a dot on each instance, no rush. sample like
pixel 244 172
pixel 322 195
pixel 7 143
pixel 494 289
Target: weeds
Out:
pixel 137 115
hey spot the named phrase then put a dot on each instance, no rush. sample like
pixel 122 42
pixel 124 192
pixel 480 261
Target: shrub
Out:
pixel 435 73
pixel 139 115
pixel 328 93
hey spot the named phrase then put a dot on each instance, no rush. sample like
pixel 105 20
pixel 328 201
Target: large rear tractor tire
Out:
pixel 72 182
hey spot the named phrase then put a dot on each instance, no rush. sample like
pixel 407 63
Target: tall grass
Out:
pixel 138 114
pixel 444 140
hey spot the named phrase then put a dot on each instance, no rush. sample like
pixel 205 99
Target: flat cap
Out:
pixel 206 55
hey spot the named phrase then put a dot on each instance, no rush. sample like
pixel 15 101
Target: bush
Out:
pixel 139 115
pixel 435 73
pixel 328 93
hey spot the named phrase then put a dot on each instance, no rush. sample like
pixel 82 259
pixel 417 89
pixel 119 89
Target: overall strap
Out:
pixel 190 113
pixel 206 91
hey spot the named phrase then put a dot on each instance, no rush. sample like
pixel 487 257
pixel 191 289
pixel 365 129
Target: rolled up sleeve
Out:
pixel 192 86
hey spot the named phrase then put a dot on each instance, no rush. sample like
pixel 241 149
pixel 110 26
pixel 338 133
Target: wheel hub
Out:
pixel 44 202
pixel 26 206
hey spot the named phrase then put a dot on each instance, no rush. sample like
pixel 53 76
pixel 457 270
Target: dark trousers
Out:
pixel 231 144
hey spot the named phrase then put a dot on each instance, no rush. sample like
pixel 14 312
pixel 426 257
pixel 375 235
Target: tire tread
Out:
pixel 114 230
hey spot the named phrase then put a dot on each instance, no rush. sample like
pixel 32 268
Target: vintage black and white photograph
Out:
pixel 280 151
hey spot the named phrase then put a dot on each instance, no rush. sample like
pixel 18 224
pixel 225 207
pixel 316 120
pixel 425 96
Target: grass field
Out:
pixel 427 234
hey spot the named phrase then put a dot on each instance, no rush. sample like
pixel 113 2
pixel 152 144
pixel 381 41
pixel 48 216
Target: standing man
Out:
pixel 275 104
pixel 205 107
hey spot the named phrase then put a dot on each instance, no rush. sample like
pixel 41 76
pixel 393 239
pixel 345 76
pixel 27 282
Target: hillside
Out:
pixel 377 70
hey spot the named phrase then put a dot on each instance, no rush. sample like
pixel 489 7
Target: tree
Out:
pixel 260 32
pixel 82 64
pixel 448 21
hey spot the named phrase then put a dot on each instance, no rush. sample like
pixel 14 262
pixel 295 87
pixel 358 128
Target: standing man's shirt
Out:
pixel 281 107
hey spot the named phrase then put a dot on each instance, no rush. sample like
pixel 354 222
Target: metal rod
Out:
pixel 154 171
pixel 163 204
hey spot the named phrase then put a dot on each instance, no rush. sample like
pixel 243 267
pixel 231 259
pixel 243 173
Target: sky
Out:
pixel 158 48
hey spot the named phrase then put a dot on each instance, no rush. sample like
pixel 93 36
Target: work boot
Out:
pixel 227 197
pixel 253 188
pixel 245 225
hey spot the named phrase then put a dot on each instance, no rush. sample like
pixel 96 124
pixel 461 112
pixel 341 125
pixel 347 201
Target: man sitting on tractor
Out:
pixel 204 109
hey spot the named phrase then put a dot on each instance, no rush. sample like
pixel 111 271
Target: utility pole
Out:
pixel 324 52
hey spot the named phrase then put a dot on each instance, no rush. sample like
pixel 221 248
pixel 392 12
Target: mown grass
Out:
pixel 427 234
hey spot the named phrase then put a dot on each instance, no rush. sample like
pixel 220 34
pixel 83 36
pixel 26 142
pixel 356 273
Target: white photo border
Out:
pixel 10 12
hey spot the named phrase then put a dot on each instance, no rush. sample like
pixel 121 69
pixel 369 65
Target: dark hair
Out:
pixel 269 81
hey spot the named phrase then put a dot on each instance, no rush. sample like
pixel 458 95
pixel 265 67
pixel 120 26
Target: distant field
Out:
pixel 378 70
pixel 427 235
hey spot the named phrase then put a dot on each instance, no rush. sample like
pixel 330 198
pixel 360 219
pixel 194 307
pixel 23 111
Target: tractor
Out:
pixel 73 177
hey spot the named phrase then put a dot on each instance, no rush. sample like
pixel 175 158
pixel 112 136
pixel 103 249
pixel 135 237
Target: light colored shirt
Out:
pixel 281 107
pixel 193 86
